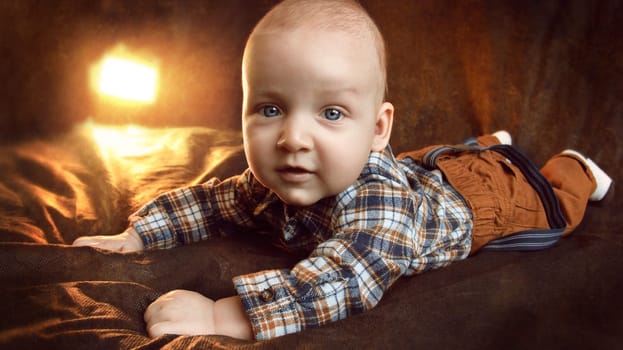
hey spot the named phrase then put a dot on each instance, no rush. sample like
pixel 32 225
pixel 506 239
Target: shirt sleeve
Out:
pixel 194 213
pixel 345 275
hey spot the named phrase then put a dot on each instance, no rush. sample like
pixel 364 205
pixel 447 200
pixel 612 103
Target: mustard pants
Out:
pixel 500 197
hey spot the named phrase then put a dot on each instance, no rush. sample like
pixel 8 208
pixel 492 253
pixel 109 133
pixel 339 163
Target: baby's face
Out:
pixel 310 112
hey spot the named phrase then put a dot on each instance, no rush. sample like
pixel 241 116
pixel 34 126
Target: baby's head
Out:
pixel 314 84
pixel 345 16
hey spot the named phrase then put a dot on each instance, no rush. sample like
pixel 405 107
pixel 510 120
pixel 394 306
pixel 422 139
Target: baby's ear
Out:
pixel 383 127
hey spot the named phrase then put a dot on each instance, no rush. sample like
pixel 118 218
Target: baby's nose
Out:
pixel 296 134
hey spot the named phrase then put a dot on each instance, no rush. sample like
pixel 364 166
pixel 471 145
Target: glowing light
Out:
pixel 132 141
pixel 127 79
pixel 125 141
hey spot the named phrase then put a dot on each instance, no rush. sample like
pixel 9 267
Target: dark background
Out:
pixel 548 70
pixel 48 46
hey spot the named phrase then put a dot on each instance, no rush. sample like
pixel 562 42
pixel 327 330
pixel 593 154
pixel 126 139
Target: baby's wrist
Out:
pixel 134 238
pixel 231 319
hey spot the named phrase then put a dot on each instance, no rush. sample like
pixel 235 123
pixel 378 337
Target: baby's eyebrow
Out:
pixel 332 93
pixel 268 94
pixel 345 92
pixel 344 89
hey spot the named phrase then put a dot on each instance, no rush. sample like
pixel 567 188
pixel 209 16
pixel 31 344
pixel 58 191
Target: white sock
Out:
pixel 603 180
pixel 504 137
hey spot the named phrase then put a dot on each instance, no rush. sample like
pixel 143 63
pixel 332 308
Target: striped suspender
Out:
pixel 524 240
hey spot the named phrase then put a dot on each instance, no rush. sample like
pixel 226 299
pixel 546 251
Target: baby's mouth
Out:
pixel 294 174
pixel 295 170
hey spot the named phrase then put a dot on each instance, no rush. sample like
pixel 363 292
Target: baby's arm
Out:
pixel 180 311
pixel 180 216
pixel 127 241
pixel 186 312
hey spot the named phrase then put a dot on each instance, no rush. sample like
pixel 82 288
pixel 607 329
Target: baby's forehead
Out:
pixel 310 36
pixel 345 16
pixel 323 17
pixel 352 48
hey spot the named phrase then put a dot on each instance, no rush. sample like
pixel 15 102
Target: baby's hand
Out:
pixel 180 312
pixel 190 313
pixel 128 241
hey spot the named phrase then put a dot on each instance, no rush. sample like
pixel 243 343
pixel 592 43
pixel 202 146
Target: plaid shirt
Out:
pixel 396 219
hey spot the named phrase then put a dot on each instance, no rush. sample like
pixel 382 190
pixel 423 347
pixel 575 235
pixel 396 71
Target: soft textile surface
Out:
pixel 70 297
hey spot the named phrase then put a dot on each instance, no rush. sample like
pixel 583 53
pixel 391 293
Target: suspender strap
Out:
pixel 525 240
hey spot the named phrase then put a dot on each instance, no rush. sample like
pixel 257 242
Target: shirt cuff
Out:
pixel 153 227
pixel 270 305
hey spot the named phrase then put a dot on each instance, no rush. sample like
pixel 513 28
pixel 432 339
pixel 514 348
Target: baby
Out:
pixel 322 179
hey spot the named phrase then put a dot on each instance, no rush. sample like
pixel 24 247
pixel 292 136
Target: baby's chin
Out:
pixel 303 198
pixel 304 194
pixel 299 200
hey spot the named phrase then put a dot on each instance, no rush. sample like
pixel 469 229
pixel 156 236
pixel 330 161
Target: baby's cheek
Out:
pixel 345 172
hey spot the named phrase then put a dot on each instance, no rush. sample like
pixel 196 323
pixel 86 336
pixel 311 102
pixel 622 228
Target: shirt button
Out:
pixel 290 225
pixel 267 295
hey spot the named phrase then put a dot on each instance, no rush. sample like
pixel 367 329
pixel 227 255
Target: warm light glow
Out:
pixel 127 79
pixel 133 141
pixel 124 141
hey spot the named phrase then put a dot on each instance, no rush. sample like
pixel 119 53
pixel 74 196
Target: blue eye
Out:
pixel 332 114
pixel 270 111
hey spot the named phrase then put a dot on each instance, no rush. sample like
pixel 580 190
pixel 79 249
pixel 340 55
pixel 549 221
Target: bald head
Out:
pixel 345 16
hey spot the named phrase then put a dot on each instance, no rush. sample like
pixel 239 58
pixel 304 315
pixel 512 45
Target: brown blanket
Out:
pixel 548 71
pixel 57 296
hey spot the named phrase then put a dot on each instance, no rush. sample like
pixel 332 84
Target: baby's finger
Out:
pixel 158 329
pixel 86 241
pixel 150 313
pixel 153 313
pixel 177 327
